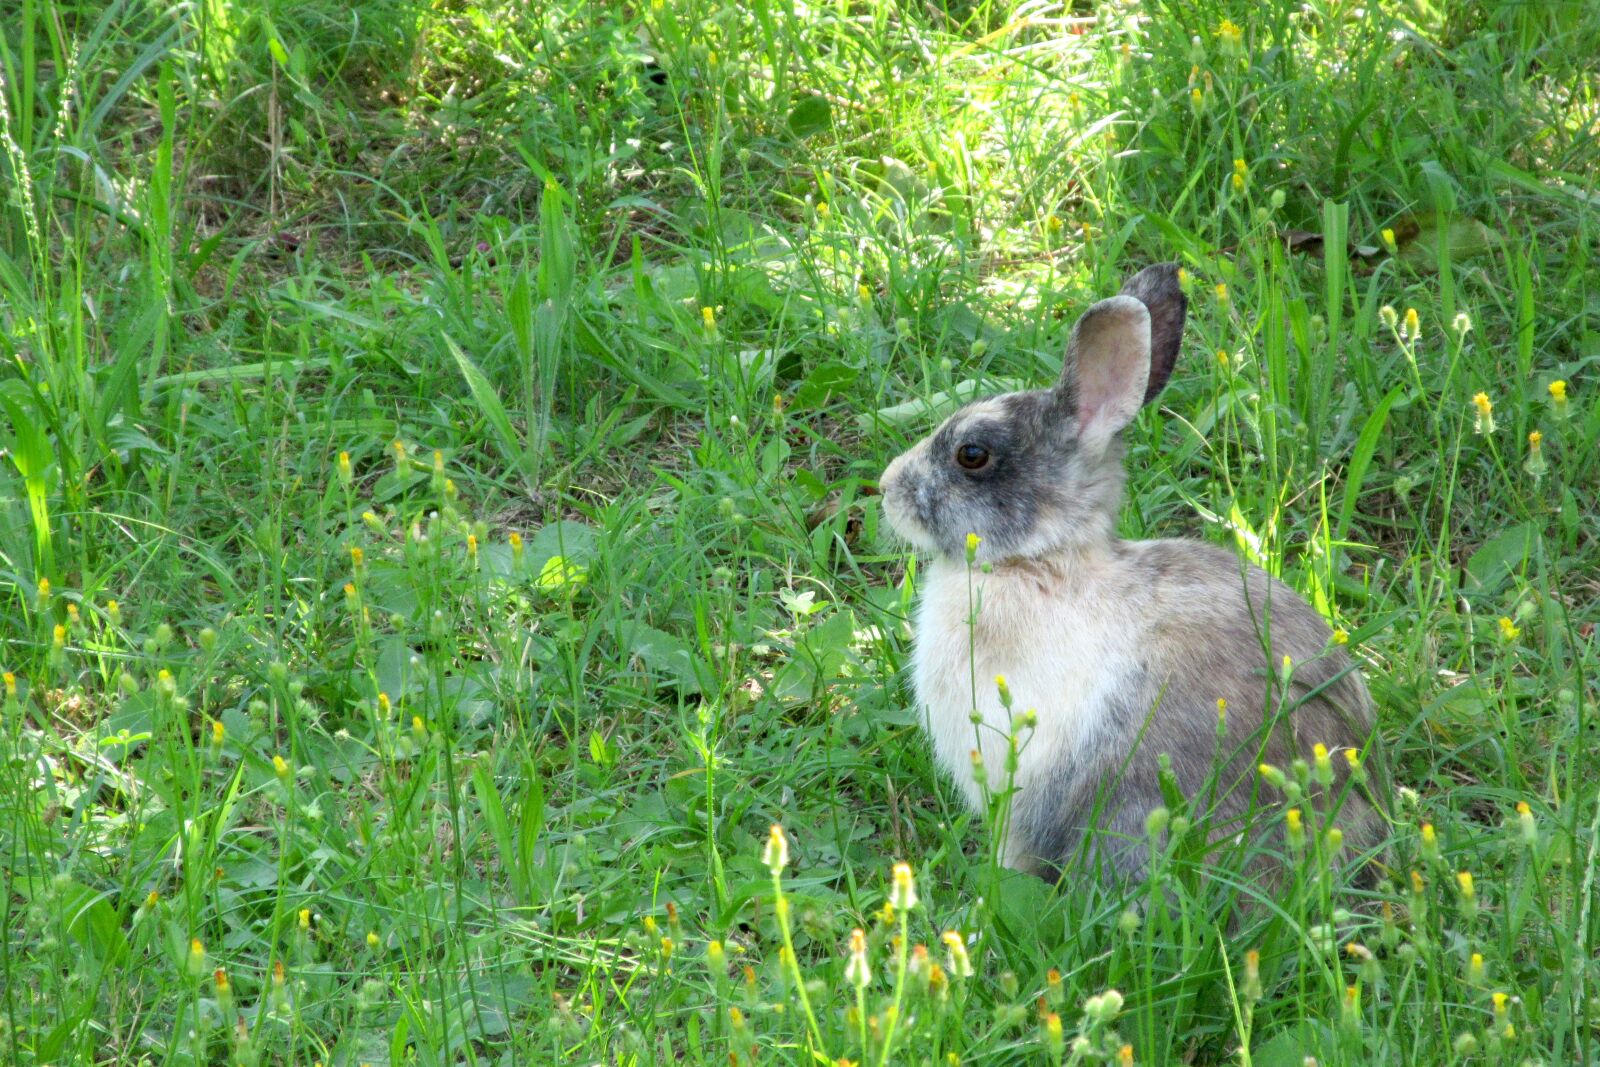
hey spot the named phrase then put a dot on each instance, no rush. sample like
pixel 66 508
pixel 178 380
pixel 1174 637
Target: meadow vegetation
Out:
pixel 447 618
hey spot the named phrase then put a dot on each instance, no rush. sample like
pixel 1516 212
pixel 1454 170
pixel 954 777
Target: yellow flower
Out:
pixel 857 972
pixel 973 541
pixel 472 547
pixel 822 209
pixel 1535 464
pixel 384 705
pixel 1509 630
pixel 903 895
pixel 960 962
pixel 776 856
pixel 1484 422
pixel 1388 241
pixel 1413 324
pixel 1430 842
pixel 1222 293
pixel 358 558
pixel 373 940
pixel 708 316
pixel 1053 1036
pixel 1530 829
pixel 1229 35
pixel 516 547
pixel 280 767
pixel 11 683
pixel 346 473
pixel 1464 883
pixel 1340 637
pixel 1558 399
pixel 1004 690
pixel 1475 969
pixel 1197 99
pixel 1297 830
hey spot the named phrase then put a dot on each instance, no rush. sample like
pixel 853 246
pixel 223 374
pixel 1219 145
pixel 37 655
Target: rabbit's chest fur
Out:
pixel 1063 637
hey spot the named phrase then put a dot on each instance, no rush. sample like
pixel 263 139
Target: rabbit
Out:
pixel 1122 649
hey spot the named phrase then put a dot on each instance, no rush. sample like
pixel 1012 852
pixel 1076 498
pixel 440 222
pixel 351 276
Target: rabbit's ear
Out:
pixel 1107 368
pixel 1158 290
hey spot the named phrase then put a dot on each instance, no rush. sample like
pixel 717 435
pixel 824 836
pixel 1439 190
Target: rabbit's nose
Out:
pixel 886 483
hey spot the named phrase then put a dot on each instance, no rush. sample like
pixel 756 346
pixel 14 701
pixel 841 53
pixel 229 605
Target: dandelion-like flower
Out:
pixel 708 318
pixel 1535 464
pixel 857 971
pixel 1558 398
pixel 1468 894
pixel 776 856
pixel 1054 1039
pixel 1252 976
pixel 346 472
pixel 1526 824
pixel 1430 843
pixel 1475 969
pixel 1484 420
pixel 1222 292
pixel 1230 36
pixel 903 889
pixel 973 541
pixel 1004 690
pixel 1295 824
pixel 280 767
pixel 1509 631
pixel 960 962
pixel 1389 245
pixel 1322 764
pixel 1413 324
pixel 1241 175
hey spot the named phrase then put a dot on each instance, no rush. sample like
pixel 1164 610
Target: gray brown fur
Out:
pixel 1186 623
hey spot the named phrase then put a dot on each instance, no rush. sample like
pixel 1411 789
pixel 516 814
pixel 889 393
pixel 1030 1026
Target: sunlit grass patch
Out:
pixel 439 541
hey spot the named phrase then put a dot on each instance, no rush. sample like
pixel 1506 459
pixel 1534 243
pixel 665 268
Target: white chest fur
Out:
pixel 1060 639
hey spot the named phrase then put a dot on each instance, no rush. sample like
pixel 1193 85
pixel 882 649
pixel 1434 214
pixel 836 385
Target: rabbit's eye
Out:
pixel 972 457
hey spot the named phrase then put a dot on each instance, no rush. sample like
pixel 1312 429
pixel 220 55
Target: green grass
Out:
pixel 467 751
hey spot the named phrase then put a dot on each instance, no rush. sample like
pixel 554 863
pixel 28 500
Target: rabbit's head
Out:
pixel 1038 471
